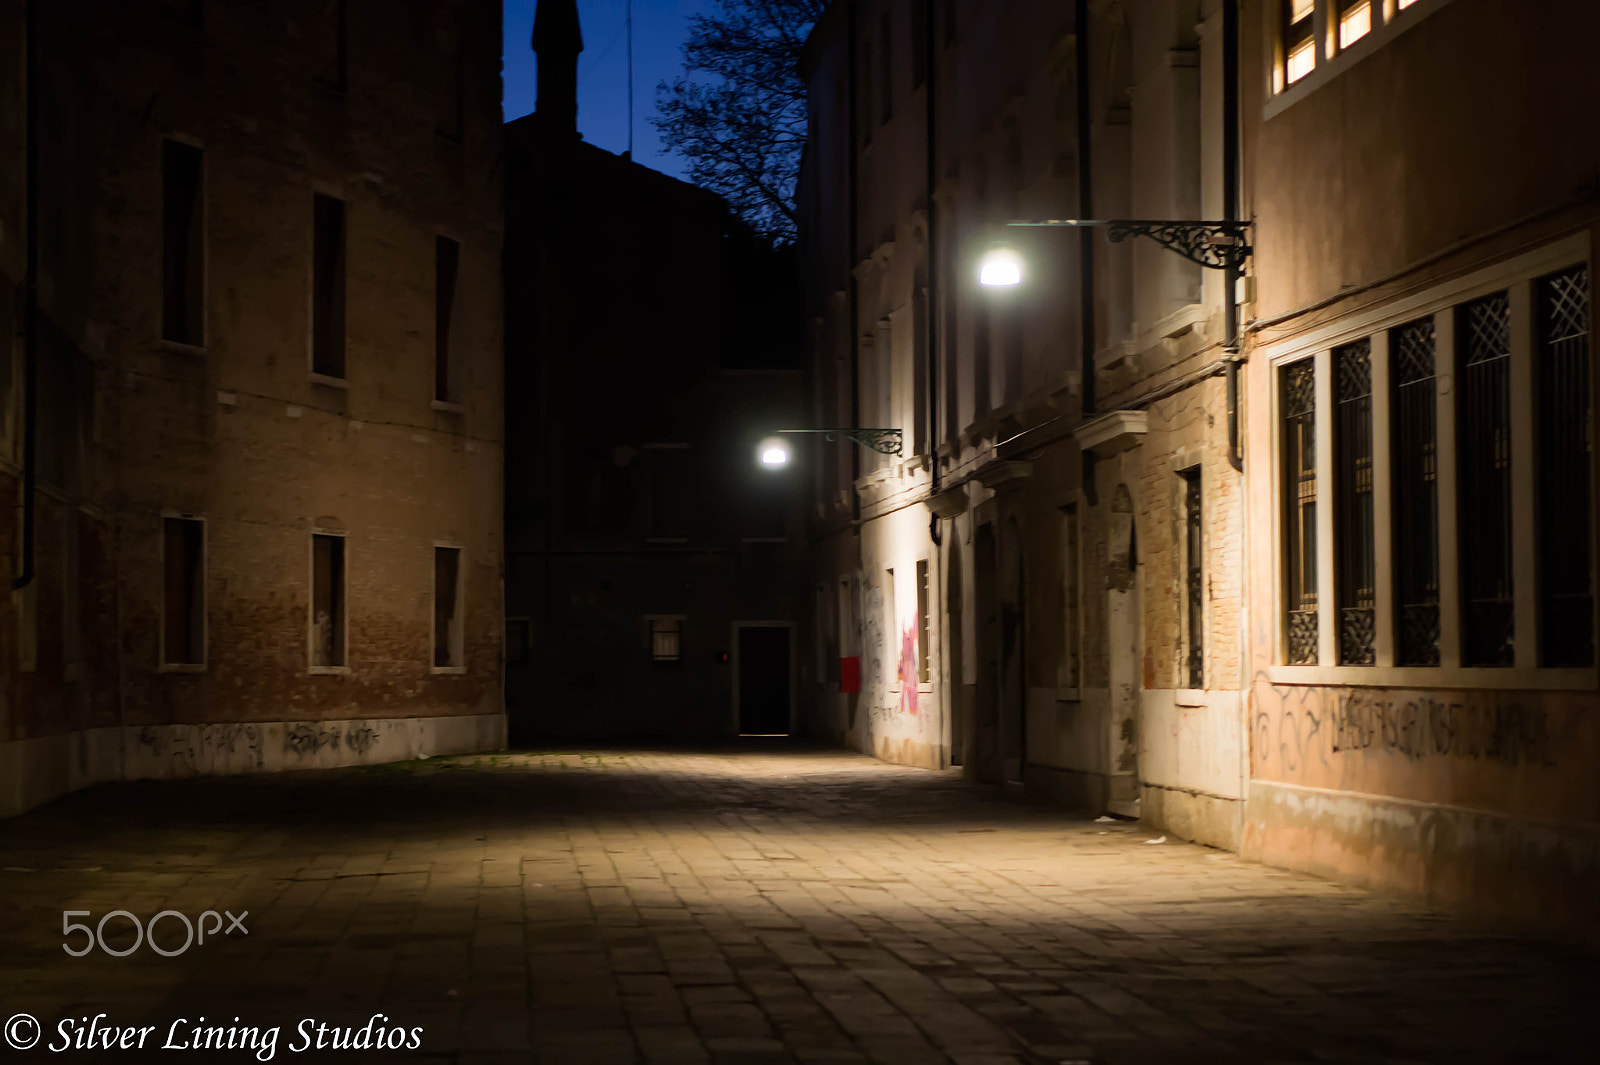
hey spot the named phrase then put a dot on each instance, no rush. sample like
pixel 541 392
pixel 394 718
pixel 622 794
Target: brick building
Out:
pixel 266 524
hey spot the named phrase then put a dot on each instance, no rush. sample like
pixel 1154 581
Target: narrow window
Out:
pixel 1414 447
pixel 327 287
pixel 519 639
pixel 446 262
pixel 885 69
pixel 922 623
pixel 327 600
pixel 1483 447
pixel 891 634
pixel 919 43
pixel 1069 593
pixel 183 611
pixel 1194 577
pixel 183 245
pixel 1299 40
pixel 671 493
pixel 666 639
pixel 1566 458
pixel 447 631
pixel 452 71
pixel 1300 511
pixel 1355 21
pixel 332 44
pixel 1352 437
pixel 190 13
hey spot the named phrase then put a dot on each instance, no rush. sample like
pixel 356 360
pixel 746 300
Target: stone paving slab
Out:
pixel 750 905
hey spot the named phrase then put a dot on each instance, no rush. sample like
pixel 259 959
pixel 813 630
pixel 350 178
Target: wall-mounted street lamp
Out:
pixel 773 452
pixel 1221 244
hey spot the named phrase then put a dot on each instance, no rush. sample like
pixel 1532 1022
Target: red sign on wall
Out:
pixel 850 674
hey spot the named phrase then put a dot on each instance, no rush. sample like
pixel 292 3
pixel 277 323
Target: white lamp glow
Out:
pixel 1000 267
pixel 773 453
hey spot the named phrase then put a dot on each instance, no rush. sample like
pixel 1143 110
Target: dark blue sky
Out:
pixel 659 27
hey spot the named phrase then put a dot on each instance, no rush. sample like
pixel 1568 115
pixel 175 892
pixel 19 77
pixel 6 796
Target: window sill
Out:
pixel 1065 694
pixel 449 671
pixel 325 379
pixel 1191 697
pixel 446 406
pixel 1437 677
pixel 182 348
pixel 181 667
pixel 328 671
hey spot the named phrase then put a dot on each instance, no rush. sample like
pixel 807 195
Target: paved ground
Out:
pixel 731 907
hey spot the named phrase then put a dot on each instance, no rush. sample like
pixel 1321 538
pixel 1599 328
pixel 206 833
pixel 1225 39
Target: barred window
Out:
pixel 1566 456
pixel 1414 436
pixel 1352 366
pixel 1300 518
pixel 1483 447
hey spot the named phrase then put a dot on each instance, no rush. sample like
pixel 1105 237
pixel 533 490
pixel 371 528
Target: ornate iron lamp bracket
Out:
pixel 1216 245
pixel 883 441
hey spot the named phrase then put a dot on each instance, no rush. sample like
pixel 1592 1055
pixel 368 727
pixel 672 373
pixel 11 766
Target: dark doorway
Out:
pixel 986 698
pixel 764 680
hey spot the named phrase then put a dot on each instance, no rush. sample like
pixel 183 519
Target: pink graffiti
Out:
pixel 908 670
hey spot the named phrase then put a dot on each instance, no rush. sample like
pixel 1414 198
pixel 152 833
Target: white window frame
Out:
pixel 1517 276
pixel 1389 21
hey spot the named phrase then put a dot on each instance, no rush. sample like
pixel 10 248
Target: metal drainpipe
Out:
pixel 850 264
pixel 30 306
pixel 1086 294
pixel 931 310
pixel 1230 212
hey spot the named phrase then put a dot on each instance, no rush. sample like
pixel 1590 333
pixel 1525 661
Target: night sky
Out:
pixel 659 27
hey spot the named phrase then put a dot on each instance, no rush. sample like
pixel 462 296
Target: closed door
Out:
pixel 764 680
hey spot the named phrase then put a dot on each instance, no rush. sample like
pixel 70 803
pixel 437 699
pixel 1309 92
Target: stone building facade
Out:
pixel 1322 594
pixel 1423 708
pixel 1015 589
pixel 267 354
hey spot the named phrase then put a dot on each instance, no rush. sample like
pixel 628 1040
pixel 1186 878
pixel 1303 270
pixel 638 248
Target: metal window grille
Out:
pixel 1566 457
pixel 1352 366
pixel 1300 515
pixel 1414 448
pixel 1194 577
pixel 1483 431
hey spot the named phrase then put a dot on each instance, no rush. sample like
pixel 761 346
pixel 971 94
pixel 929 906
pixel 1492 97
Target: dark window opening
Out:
pixel 327 600
pixel 183 598
pixel 923 676
pixel 1566 459
pixel 447 641
pixel 1194 576
pixel 183 245
pixel 447 259
pixel 1415 450
pixel 1483 431
pixel 1352 366
pixel 919 43
pixel 332 43
pixel 327 285
pixel 1299 404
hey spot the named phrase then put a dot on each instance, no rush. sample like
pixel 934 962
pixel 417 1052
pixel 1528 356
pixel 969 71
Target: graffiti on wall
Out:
pixel 908 672
pixel 186 749
pixel 1304 727
pixel 872 645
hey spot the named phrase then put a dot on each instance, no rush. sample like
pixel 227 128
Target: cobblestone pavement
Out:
pixel 740 906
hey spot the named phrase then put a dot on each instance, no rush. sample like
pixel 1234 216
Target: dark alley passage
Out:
pixel 751 905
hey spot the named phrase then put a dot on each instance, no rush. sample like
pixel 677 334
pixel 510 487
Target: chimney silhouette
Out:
pixel 557 40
